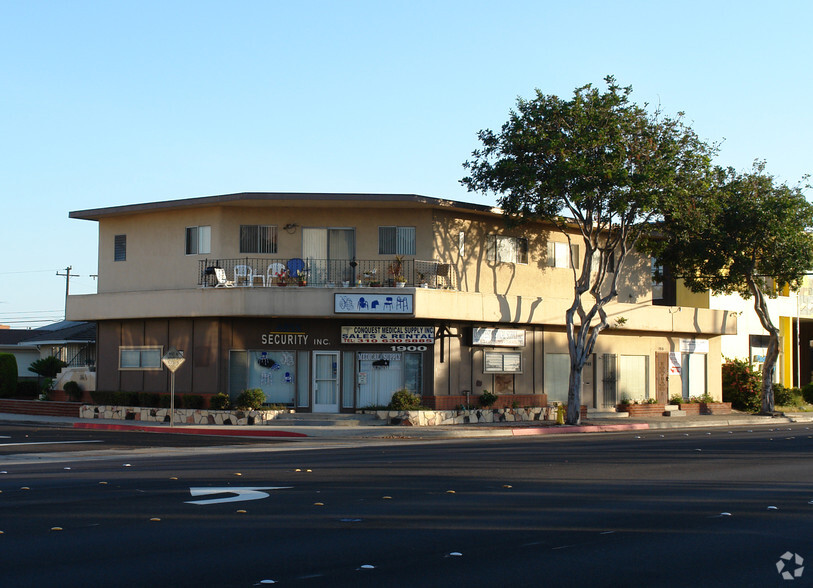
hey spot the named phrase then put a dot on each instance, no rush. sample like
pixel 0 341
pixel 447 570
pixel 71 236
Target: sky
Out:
pixel 108 103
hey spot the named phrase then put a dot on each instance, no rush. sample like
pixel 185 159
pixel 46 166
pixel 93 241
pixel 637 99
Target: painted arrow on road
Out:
pixel 242 493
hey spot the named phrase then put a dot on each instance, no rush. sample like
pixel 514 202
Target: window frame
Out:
pixel 402 235
pixel 120 248
pixel 201 235
pixel 519 246
pixel 246 241
pixel 570 252
pixel 143 350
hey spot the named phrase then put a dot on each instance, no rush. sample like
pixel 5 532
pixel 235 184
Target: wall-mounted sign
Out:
pixel 388 335
pixel 497 337
pixel 694 345
pixel 674 363
pixel 504 362
pixel 372 303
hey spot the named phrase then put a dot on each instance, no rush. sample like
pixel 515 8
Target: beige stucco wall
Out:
pixel 156 258
pixel 476 273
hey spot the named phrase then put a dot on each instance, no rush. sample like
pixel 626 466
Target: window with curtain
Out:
pixel 503 249
pixel 396 240
pixel 258 239
pixel 559 254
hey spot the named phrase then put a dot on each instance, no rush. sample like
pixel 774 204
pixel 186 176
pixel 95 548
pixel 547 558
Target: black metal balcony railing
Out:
pixel 327 273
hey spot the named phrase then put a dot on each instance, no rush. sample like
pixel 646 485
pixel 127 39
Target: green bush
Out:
pixel 47 367
pixel 807 392
pixel 742 385
pixel 116 398
pixel 193 401
pixel 786 396
pixel 8 375
pixel 404 400
pixel 250 399
pixel 27 389
pixel 73 390
pixel 149 399
pixel 219 401
pixel 487 399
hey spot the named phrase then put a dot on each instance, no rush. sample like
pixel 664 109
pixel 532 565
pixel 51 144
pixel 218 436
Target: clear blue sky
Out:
pixel 108 103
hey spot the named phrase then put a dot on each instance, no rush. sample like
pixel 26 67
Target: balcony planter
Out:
pixel 715 408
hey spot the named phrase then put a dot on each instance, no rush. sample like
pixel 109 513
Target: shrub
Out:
pixel 676 399
pixel 741 385
pixel 220 401
pixel 404 400
pixel 193 401
pixel 250 399
pixel 72 390
pixel 117 398
pixel 8 375
pixel 487 399
pixel 786 396
pixel 47 367
pixel 27 389
pixel 807 392
pixel 149 399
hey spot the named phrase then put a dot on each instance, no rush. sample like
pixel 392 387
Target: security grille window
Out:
pixel 502 249
pixel 198 240
pixel 258 239
pixel 396 240
pixel 559 255
pixel 120 248
pixel 140 358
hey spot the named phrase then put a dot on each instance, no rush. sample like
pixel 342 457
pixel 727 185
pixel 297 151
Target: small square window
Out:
pixel 198 240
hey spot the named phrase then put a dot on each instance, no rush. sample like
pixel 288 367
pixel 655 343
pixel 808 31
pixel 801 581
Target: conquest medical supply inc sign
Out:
pixel 392 335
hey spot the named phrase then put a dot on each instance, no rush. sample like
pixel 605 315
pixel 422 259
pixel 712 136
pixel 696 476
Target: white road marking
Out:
pixel 242 493
pixel 48 443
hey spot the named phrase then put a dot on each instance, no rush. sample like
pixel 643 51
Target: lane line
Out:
pixel 50 443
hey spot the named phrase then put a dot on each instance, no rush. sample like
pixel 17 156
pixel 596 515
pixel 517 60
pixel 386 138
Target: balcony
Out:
pixel 327 273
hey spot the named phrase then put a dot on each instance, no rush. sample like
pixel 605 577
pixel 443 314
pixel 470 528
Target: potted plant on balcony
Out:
pixel 395 270
pixel 282 277
pixel 302 277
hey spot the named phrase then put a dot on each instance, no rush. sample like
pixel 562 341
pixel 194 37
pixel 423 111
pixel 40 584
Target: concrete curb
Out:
pixel 181 430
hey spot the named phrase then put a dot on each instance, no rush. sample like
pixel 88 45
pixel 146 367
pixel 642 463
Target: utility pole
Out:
pixel 67 275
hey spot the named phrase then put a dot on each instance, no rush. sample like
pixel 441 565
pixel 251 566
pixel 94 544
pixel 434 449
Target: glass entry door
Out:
pixel 325 381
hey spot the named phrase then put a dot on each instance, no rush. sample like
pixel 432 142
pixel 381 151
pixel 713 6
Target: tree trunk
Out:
pixel 761 308
pixel 574 393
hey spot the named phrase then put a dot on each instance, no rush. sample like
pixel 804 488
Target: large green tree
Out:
pixel 748 235
pixel 596 166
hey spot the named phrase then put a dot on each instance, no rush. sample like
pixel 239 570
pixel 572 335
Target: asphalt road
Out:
pixel 671 508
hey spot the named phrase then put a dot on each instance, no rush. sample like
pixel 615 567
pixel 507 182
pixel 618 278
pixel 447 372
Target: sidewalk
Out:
pixel 503 429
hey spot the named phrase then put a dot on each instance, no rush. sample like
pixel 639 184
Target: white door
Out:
pixel 325 381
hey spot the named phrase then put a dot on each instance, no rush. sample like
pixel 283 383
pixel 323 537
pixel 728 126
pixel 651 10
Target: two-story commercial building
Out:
pixel 331 302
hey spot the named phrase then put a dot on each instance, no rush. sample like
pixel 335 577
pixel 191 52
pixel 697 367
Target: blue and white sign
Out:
pixel 373 303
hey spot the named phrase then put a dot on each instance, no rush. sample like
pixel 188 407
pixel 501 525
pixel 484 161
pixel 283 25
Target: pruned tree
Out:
pixel 597 167
pixel 749 236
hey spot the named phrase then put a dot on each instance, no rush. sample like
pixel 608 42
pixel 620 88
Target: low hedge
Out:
pixel 147 399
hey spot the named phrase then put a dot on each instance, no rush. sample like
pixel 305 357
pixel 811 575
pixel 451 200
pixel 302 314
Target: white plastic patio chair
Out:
pixel 243 275
pixel 222 282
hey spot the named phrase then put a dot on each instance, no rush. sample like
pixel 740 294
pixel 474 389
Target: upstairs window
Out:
pixel 258 239
pixel 120 248
pixel 559 255
pixel 502 249
pixel 198 240
pixel 396 240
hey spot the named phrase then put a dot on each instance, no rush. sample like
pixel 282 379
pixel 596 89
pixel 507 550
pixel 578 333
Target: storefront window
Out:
pixel 273 372
pixel 413 373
